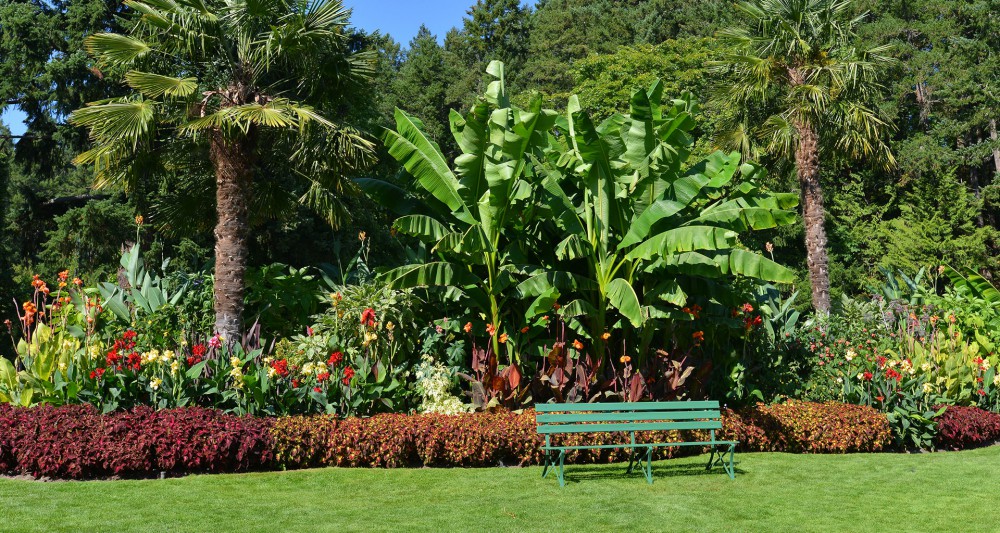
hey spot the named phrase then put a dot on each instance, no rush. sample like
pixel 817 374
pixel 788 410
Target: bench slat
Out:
pixel 642 445
pixel 634 426
pixel 626 406
pixel 650 416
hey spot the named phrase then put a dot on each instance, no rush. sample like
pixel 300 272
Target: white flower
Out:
pixel 155 383
pixel 926 367
pixel 996 379
pixel 850 355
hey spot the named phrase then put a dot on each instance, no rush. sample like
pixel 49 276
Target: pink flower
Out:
pixel 215 341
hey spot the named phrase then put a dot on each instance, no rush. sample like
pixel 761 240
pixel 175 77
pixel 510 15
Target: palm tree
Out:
pixel 227 81
pixel 800 89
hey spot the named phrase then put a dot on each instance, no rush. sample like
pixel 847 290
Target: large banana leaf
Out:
pixel 422 158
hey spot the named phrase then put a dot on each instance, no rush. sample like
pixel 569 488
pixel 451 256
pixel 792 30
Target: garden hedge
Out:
pixel 77 442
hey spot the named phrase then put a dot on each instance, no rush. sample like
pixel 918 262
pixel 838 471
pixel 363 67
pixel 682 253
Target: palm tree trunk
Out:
pixel 233 162
pixel 807 166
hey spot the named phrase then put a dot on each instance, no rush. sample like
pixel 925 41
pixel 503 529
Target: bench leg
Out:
pixel 545 469
pixel 649 465
pixel 562 469
pixel 711 459
pixel 632 456
pixel 731 469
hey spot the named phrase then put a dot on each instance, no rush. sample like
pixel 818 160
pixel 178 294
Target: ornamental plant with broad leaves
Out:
pixel 472 212
pixel 640 230
pixel 610 218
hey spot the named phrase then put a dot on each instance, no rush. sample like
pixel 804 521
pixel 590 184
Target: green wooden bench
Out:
pixel 632 417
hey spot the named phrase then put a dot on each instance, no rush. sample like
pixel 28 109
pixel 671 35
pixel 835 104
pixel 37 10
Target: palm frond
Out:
pixel 155 85
pixel 114 49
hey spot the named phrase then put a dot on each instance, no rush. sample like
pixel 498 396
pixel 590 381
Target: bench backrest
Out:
pixel 553 418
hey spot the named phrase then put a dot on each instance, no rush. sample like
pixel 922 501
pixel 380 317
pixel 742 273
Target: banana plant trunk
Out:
pixel 811 192
pixel 233 163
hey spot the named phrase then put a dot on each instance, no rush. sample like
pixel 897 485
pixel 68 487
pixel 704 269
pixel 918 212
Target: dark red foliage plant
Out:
pixel 966 427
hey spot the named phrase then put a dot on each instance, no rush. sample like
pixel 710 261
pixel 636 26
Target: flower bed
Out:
pixel 76 442
pixel 967 427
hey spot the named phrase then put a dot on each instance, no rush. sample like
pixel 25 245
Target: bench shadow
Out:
pixel 579 473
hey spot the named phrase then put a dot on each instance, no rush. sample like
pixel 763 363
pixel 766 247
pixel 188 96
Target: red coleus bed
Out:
pixel 76 442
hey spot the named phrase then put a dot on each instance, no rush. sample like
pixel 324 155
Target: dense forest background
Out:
pixel 939 204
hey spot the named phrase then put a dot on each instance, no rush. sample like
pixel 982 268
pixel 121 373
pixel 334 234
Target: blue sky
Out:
pixel 399 18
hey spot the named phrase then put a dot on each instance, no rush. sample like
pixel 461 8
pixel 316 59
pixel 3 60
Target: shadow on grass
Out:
pixel 579 473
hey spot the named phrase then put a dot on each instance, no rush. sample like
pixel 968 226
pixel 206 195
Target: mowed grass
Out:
pixel 957 491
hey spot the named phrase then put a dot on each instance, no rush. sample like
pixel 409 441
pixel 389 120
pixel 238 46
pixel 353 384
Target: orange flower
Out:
pixel 139 220
pixel 524 329
pixel 686 310
pixel 62 284
pixel 545 318
pixel 605 336
pixel 64 275
pixel 625 359
pixel 698 336
pixel 577 344
pixel 695 310
pixel 503 338
pixel 490 329
pixel 362 236
pixel 77 282
pixel 556 306
pixel 468 327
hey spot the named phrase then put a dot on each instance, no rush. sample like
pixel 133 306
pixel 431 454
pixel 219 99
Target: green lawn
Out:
pixel 772 492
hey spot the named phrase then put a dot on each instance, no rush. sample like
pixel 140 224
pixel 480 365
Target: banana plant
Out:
pixel 472 204
pixel 638 228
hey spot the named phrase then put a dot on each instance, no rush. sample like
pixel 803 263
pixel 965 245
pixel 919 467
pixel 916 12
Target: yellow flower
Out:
pixel 996 379
pixel 926 367
pixel 390 326
pixel 369 337
pixel 95 351
pixel 235 361
pixel 928 388
pixel 850 355
pixel 175 367
pixel 168 355
pixel 62 367
pixel 155 383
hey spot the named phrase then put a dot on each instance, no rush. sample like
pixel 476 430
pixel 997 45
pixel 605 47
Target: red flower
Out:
pixel 867 376
pixel 280 367
pixel 348 373
pixel 982 392
pixel 747 308
pixel 317 389
pixel 322 376
pixel 368 317
pixel 198 350
pixel 335 358
pixel 295 383
pixel 880 398
pixel 97 373
pixel 134 361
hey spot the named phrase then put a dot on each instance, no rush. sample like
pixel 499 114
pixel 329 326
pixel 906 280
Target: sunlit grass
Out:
pixel 772 492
